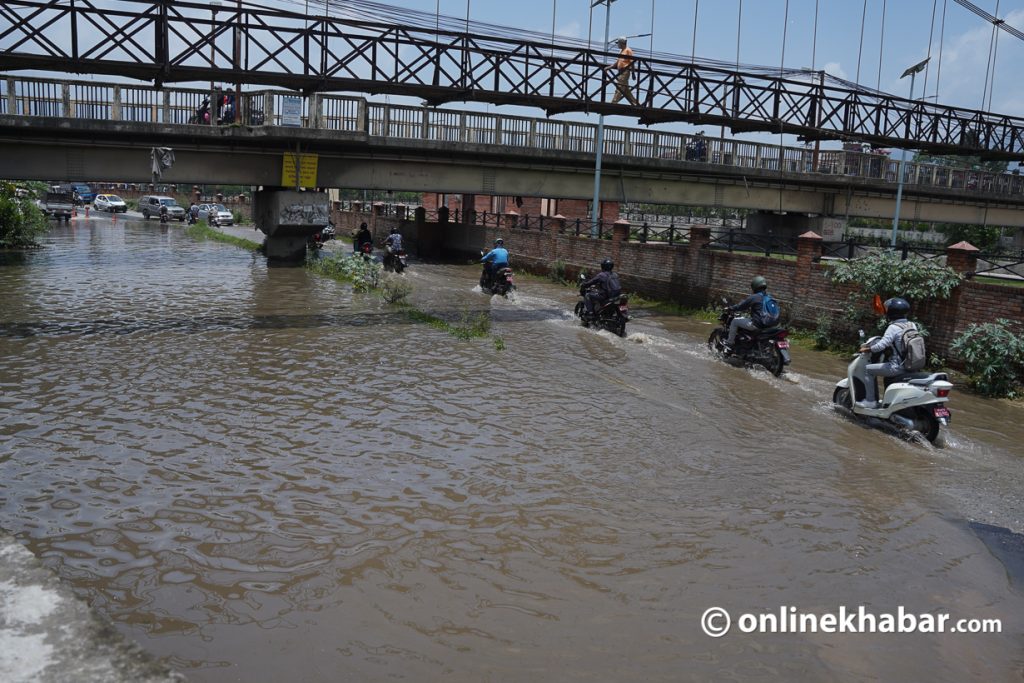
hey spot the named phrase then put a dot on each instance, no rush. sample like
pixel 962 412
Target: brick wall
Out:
pixel 695 275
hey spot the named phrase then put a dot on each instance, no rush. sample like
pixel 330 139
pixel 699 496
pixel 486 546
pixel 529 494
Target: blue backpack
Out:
pixel 770 312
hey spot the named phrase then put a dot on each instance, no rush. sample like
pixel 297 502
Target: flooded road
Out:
pixel 265 477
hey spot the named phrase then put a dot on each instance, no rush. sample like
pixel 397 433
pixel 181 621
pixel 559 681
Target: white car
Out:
pixel 109 202
pixel 215 214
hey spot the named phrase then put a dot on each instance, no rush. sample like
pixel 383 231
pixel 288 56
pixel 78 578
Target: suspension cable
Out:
pixel 693 48
pixel 942 40
pixel 988 62
pixel 860 50
pixel 785 28
pixel 881 46
pixel 814 41
pixel 931 32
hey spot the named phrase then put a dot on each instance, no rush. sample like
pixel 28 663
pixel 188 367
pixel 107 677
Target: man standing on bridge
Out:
pixel 625 66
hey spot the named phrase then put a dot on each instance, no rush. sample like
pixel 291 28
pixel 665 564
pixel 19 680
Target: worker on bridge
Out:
pixel 625 66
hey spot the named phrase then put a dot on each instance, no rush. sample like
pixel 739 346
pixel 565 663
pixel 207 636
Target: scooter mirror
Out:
pixel 861 333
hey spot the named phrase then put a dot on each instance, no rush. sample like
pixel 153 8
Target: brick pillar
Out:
pixel 808 252
pixel 443 214
pixel 695 280
pixel 400 210
pixel 620 230
pixel 962 257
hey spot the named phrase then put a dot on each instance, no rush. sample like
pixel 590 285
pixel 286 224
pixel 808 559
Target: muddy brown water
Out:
pixel 262 476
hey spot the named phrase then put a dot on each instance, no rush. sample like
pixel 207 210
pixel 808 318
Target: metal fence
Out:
pixel 143 104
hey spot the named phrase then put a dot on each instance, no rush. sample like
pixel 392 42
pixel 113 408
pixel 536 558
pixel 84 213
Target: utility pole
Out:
pixel 595 209
pixel 912 72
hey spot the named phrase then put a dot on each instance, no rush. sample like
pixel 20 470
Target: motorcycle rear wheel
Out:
pixel 927 424
pixel 774 362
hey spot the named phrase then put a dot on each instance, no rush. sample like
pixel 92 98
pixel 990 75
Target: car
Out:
pixel 215 214
pixel 152 205
pixel 109 202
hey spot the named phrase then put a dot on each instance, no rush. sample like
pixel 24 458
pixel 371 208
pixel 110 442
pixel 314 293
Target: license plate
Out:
pixel 941 412
pixel 783 344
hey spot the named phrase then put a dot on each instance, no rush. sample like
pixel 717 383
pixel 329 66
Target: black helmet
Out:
pixel 499 242
pixel 393 231
pixel 758 284
pixel 607 264
pixel 896 308
pixel 362 226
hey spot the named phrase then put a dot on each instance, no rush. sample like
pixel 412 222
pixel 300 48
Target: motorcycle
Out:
pixel 500 283
pixel 202 113
pixel 395 261
pixel 768 347
pixel 317 239
pixel 914 402
pixel 612 316
pixel 327 233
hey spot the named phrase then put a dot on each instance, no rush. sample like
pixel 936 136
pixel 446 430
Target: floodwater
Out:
pixel 262 476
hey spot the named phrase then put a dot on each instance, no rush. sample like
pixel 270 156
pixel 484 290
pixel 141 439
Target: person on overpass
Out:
pixel 624 64
pixel 493 261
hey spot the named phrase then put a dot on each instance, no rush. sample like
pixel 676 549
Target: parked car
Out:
pixel 215 214
pixel 109 202
pixel 151 205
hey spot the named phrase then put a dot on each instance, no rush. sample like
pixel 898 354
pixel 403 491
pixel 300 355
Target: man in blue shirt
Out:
pixel 493 261
pixel 896 310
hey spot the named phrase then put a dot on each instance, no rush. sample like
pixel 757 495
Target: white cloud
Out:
pixel 835 69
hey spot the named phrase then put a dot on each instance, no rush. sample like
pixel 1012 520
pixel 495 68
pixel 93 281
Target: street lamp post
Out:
pixel 595 209
pixel 912 72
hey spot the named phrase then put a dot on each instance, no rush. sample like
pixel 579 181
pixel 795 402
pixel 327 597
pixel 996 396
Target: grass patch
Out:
pixel 469 326
pixel 1003 282
pixel 202 231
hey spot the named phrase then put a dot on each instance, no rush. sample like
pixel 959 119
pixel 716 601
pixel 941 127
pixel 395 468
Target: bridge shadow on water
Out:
pixel 214 323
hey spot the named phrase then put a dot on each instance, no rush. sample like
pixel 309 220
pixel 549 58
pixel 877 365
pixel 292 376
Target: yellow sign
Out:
pixel 307 167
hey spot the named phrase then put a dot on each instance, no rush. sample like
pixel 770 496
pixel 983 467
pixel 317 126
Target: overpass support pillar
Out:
pixel 289 218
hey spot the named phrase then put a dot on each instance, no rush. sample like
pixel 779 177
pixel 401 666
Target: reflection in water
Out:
pixel 267 477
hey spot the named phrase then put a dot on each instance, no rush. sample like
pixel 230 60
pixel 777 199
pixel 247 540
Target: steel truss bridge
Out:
pixel 164 42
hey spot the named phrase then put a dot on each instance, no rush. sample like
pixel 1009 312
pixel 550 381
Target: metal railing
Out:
pixel 144 104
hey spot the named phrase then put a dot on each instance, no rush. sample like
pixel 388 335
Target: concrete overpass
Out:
pixel 59 130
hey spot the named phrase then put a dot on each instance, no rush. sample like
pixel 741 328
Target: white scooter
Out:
pixel 914 402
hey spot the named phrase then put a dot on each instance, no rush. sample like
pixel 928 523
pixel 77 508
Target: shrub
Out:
pixel 884 273
pixel 21 221
pixel 557 272
pixel 993 354
pixel 394 290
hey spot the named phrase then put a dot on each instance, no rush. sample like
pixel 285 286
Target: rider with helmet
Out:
pixel 602 287
pixel 363 237
pixel 896 311
pixel 759 319
pixel 494 260
pixel 392 244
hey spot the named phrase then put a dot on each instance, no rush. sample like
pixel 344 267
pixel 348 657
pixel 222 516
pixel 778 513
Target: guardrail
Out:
pixel 181 106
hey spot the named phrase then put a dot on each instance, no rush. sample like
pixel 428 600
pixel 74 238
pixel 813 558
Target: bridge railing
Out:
pixel 145 104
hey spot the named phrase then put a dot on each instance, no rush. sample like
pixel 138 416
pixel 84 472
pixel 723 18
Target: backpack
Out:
pixel 770 311
pixel 914 354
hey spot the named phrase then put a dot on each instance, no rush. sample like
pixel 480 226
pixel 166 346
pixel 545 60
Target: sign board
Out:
pixel 832 229
pixel 299 170
pixel 291 111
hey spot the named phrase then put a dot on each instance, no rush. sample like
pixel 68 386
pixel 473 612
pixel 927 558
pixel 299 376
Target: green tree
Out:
pixel 884 273
pixel 21 221
pixel 974 163
pixel 984 237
